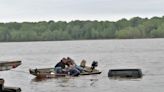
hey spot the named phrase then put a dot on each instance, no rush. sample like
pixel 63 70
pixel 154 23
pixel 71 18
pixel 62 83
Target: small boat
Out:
pixel 11 89
pixel 50 73
pixel 8 89
pixel 7 65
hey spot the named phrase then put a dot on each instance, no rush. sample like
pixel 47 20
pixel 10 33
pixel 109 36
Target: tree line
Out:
pixel 135 27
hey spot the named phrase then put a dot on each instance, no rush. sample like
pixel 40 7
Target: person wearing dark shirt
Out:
pixel 60 66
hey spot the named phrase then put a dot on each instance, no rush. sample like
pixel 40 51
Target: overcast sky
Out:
pixel 67 10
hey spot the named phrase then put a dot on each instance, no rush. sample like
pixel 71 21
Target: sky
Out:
pixel 68 10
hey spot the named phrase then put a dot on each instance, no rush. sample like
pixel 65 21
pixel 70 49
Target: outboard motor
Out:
pixel 94 64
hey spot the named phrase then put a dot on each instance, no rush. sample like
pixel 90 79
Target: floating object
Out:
pixel 7 65
pixel 8 89
pixel 50 73
pixel 125 73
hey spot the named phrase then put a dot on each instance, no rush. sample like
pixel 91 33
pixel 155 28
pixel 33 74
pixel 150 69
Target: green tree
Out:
pixel 128 33
pixel 159 32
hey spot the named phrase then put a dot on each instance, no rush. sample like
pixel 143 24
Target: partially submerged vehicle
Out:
pixel 125 73
pixel 50 73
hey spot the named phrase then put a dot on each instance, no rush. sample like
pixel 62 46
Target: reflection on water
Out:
pixel 146 54
pixel 125 79
pixel 64 81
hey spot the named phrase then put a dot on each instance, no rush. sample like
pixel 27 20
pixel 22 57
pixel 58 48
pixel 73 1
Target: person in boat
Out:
pixel 74 70
pixel 71 61
pixel 60 66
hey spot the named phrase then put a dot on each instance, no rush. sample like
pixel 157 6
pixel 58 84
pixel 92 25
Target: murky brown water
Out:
pixel 147 54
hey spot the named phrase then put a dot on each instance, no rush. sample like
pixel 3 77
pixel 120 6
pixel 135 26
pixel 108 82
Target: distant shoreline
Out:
pixel 82 40
pixel 135 28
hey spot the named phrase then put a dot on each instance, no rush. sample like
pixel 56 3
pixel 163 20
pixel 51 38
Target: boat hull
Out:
pixel 7 65
pixel 49 72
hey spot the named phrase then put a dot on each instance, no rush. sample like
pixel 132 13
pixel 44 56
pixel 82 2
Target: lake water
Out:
pixel 146 54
